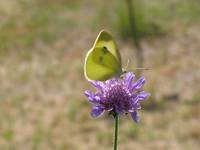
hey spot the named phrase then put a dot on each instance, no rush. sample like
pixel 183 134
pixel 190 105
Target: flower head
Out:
pixel 117 95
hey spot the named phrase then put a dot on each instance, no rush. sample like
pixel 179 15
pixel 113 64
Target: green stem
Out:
pixel 116 131
pixel 135 35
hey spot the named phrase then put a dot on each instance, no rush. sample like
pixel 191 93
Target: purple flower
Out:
pixel 117 95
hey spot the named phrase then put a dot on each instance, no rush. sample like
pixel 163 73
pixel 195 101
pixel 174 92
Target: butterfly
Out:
pixel 103 60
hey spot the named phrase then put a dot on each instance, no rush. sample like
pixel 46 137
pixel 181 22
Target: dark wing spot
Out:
pixel 105 50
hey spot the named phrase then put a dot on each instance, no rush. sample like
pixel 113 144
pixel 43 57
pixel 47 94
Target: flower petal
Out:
pixel 97 111
pixel 143 95
pixel 93 98
pixel 135 116
pixel 129 78
pixel 111 81
pixel 134 99
pixel 98 84
pixel 137 106
pixel 138 84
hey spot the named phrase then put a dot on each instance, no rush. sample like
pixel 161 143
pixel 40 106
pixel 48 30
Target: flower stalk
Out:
pixel 116 116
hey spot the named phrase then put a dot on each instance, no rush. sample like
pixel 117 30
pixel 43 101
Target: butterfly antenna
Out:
pixel 124 70
pixel 127 64
pixel 143 68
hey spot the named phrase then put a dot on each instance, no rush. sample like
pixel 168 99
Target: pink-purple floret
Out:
pixel 118 95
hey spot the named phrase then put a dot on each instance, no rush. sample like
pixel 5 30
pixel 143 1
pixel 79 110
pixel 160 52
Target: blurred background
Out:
pixel 42 48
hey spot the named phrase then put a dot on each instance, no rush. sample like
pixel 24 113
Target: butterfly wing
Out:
pixel 103 61
pixel 105 39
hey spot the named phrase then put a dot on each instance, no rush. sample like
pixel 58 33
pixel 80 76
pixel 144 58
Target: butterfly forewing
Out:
pixel 103 61
pixel 106 40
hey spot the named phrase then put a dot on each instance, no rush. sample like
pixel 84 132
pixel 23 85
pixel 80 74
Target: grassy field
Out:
pixel 42 48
